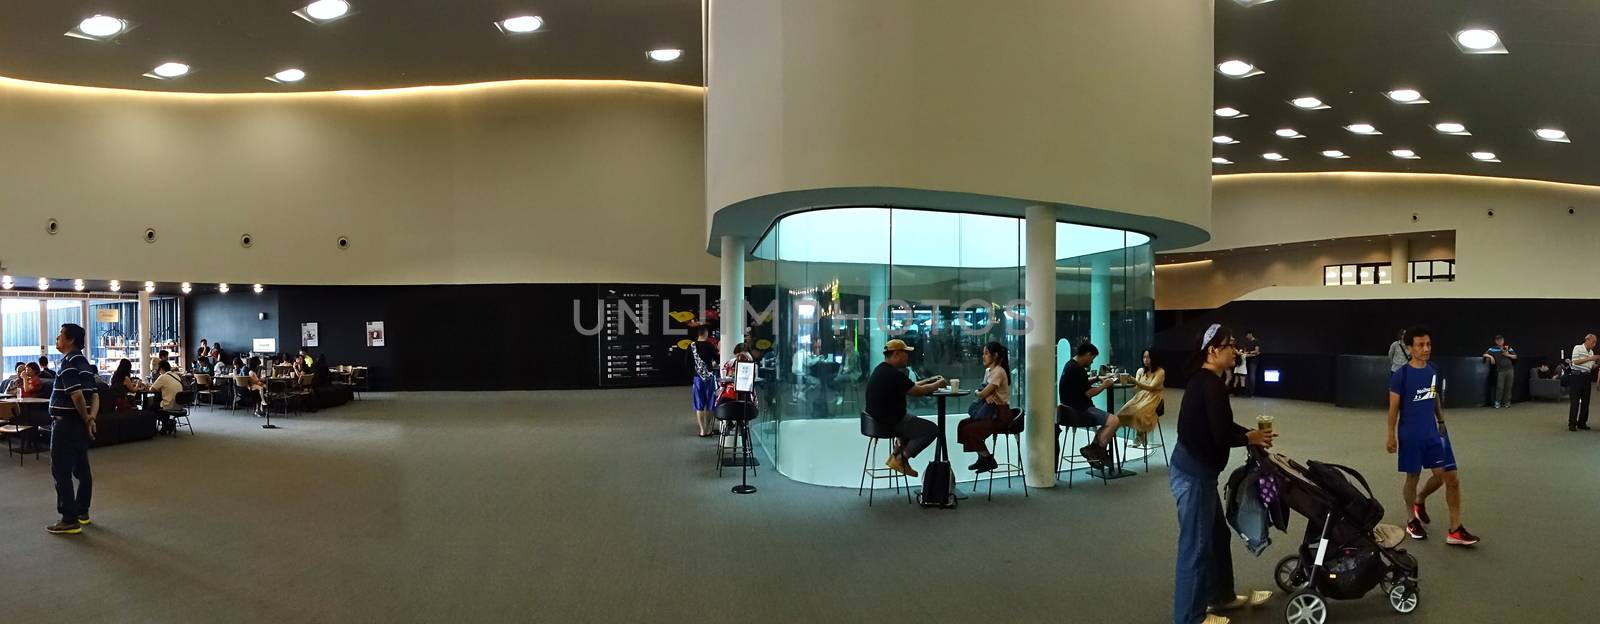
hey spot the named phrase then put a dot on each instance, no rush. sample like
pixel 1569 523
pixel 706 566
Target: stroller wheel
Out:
pixel 1403 597
pixel 1306 607
pixel 1290 577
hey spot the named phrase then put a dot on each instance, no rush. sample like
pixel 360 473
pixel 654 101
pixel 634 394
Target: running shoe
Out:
pixel 65 527
pixel 1460 537
pixel 1419 512
pixel 1415 530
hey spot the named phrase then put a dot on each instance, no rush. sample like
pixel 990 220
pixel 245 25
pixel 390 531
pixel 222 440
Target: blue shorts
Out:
pixel 1427 453
pixel 705 394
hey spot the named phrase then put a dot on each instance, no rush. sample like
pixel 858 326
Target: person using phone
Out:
pixel 1077 408
pixel 887 390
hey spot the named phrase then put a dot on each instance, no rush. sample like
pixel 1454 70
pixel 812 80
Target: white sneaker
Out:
pixel 1212 618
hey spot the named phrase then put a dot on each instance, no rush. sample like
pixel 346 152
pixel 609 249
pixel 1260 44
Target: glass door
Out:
pixel 23 343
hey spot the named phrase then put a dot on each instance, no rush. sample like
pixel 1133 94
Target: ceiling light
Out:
pixel 1289 133
pixel 1218 160
pixel 116 285
pixel 222 288
pixel 1479 41
pixel 44 284
pixel 1362 128
pixel 520 25
pixel 1553 135
pixel 1404 153
pixel 167 71
pixel 77 285
pixel 100 28
pixel 149 286
pixel 1308 103
pixel 323 11
pixel 1223 139
pixel 1405 96
pixel 1238 69
pixel 186 288
pixel 5 282
pixel 1334 154
pixel 664 55
pixel 1450 127
pixel 1229 111
pixel 1274 157
pixel 1485 157
pixel 287 76
pixel 257 288
pixel 1250 3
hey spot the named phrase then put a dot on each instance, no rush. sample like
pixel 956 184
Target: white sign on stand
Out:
pixel 745 377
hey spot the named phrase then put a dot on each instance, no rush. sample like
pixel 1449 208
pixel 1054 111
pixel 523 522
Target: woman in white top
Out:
pixel 992 414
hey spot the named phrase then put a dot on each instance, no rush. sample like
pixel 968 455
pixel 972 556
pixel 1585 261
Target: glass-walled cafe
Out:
pixel 840 282
pixel 29 323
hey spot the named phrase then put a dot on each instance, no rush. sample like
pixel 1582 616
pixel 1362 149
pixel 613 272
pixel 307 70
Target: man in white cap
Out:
pixel 887 390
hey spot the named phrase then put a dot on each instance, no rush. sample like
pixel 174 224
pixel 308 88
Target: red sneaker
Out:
pixel 1460 537
pixel 1420 513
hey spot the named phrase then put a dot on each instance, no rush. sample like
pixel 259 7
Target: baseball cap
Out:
pixel 897 345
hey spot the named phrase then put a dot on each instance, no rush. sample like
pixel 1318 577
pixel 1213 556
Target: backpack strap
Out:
pixel 1349 471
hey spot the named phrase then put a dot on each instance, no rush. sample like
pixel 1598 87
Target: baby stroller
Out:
pixel 1346 552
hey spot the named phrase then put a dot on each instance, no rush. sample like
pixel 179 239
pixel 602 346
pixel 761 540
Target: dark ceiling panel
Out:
pixel 1348 52
pixel 233 45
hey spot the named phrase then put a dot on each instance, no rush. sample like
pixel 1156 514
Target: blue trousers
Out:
pixel 1204 573
pixel 69 457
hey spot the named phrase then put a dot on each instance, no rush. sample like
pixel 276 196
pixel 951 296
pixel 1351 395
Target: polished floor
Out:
pixel 600 506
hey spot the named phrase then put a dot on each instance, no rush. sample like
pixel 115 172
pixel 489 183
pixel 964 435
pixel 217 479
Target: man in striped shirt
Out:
pixel 74 403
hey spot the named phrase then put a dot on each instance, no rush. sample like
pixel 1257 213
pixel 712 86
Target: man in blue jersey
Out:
pixel 1417 433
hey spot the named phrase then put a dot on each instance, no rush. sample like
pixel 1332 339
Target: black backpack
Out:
pixel 1359 510
pixel 938 485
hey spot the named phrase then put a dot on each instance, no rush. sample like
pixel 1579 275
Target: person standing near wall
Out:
pixel 1250 349
pixel 1503 359
pixel 1398 353
pixel 1580 383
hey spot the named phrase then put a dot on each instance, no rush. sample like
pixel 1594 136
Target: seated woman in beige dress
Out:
pixel 1140 411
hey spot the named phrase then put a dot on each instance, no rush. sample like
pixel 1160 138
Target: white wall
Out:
pixel 1239 273
pixel 526 181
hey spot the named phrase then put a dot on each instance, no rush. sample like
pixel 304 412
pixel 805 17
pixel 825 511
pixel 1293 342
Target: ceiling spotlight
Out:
pixel 186 288
pixel 5 282
pixel 1334 154
pixel 222 288
pixel 257 288
pixel 287 76
pixel 44 284
pixel 1250 3
pixel 77 285
pixel 115 286
pixel 1405 96
pixel 1308 103
pixel 323 11
pixel 1404 153
pixel 1218 160
pixel 1223 139
pixel 1238 69
pixel 1289 133
pixel 100 28
pixel 149 286
pixel 1553 135
pixel 1362 128
pixel 1479 41
pixel 1229 112
pixel 1485 157
pixel 168 71
pixel 520 25
pixel 1450 127
pixel 664 55
pixel 1274 157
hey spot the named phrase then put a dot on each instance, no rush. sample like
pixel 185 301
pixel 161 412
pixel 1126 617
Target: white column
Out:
pixel 47 338
pixel 146 354
pixel 1039 346
pixel 733 320
pixel 1399 259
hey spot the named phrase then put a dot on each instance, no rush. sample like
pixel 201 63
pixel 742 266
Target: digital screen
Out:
pixel 1270 376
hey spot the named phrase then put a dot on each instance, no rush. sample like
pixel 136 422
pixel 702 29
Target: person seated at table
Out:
pixel 252 385
pixel 44 369
pixel 123 383
pixel 14 379
pixel 730 371
pixel 1077 409
pixel 167 385
pixel 217 355
pixel 887 390
pixel 202 363
pixel 31 387
pixel 991 412
pixel 1140 411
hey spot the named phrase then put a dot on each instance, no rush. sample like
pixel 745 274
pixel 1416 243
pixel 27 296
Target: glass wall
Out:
pixel 841 282
pixel 113 334
pixel 20 319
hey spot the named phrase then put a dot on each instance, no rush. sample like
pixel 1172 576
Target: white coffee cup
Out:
pixel 955 385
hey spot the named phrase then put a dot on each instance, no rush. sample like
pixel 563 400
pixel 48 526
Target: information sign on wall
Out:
pixel 374 333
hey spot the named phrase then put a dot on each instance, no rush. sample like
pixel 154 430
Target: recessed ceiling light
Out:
pixel 1405 96
pixel 1334 154
pixel 256 288
pixel 77 285
pixel 1218 160
pixel 1223 139
pixel 664 55
pixel 1362 128
pixel 323 11
pixel 149 286
pixel 1485 157
pixel 1289 133
pixel 1450 127
pixel 1552 135
pixel 1235 68
pixel 1404 153
pixel 1308 103
pixel 288 76
pixel 186 288
pixel 44 284
pixel 1274 156
pixel 100 28
pixel 116 285
pixel 222 288
pixel 1479 41
pixel 1229 112
pixel 168 71
pixel 5 282
pixel 520 25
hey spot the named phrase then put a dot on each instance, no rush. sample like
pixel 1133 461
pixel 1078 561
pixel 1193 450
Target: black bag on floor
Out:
pixel 938 485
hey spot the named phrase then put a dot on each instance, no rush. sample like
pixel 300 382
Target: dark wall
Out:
pixel 232 319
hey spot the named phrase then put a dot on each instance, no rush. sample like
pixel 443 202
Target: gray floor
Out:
pixel 599 506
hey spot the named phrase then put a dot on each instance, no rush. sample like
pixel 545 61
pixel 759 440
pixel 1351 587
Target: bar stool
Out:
pixel 1070 422
pixel 1011 436
pixel 875 431
pixel 1150 446
pixel 735 415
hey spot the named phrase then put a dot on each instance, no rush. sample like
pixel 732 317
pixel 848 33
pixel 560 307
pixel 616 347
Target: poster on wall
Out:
pixel 374 333
pixel 308 334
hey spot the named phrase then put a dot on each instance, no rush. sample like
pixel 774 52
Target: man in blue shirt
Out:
pixel 1504 360
pixel 1417 433
pixel 74 403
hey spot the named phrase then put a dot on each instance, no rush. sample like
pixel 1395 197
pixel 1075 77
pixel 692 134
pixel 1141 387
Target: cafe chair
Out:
pixel 1006 440
pixel 875 431
pixel 1151 443
pixel 21 439
pixel 180 412
pixel 203 388
pixel 1070 422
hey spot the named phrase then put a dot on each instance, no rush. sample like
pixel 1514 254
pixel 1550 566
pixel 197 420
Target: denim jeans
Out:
pixel 69 457
pixel 1204 573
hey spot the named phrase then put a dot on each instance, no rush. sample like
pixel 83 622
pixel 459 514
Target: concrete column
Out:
pixel 733 321
pixel 47 338
pixel 1399 259
pixel 1100 306
pixel 1039 346
pixel 146 354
